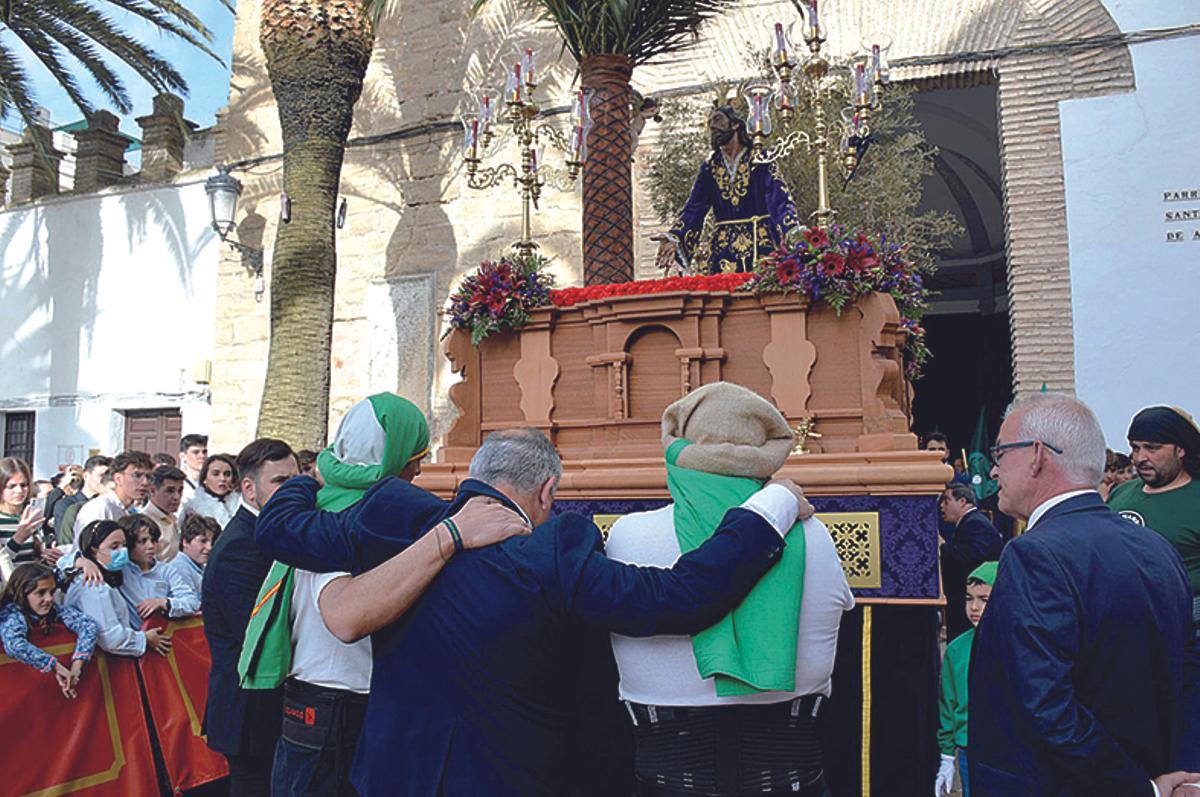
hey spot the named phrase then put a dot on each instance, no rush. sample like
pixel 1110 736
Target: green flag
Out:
pixel 979 464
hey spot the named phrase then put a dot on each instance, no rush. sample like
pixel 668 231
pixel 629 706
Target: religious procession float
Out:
pixel 821 319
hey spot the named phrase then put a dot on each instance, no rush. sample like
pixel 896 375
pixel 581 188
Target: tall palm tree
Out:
pixel 608 39
pixel 69 37
pixel 317 53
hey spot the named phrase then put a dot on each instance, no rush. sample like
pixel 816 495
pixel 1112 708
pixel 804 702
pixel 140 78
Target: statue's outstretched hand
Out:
pixel 666 260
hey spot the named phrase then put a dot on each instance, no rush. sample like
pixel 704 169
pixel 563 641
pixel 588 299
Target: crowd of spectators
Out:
pixel 108 548
pixel 105 546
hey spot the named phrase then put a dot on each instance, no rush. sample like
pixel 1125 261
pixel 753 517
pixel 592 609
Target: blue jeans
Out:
pixel 304 772
pixel 961 760
pixel 316 747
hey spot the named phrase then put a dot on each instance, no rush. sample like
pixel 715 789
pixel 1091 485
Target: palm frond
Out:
pixel 74 38
pixel 640 29
pixel 16 93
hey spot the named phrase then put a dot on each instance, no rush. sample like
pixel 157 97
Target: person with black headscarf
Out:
pixel 751 205
pixel 1165 496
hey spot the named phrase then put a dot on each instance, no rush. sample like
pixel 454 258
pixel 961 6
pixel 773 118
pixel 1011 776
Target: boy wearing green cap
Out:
pixel 952 706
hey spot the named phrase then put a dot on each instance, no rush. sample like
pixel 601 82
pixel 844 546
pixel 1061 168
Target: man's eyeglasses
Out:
pixel 996 452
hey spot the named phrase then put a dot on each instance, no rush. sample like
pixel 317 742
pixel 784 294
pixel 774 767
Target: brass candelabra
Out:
pixel 814 79
pixel 529 175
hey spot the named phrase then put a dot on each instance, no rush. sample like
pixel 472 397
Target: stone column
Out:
pixel 35 165
pixel 100 153
pixel 3 184
pixel 163 135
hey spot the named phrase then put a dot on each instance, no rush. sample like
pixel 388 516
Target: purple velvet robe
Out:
pixel 753 210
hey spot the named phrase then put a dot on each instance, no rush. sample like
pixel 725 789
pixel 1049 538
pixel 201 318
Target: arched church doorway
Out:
pixel 968 321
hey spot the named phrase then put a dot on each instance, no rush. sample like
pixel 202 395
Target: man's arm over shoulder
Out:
pixel 383 523
pixel 1032 627
pixel 291 529
pixel 696 592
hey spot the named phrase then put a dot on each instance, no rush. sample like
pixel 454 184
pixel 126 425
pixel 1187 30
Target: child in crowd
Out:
pixel 196 537
pixel 28 604
pixel 102 544
pixel 952 733
pixel 148 585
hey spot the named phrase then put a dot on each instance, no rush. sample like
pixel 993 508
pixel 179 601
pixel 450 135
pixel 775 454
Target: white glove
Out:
pixel 945 777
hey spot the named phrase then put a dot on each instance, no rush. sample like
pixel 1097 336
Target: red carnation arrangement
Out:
pixel 720 283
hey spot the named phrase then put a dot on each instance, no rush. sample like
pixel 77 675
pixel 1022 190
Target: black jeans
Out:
pixel 818 789
pixel 730 751
pixel 316 749
pixel 649 790
pixel 249 775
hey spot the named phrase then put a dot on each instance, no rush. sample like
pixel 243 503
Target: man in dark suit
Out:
pixel 973 541
pixel 1080 661
pixel 473 691
pixel 241 724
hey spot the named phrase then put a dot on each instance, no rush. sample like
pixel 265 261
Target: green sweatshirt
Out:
pixel 952 705
pixel 1174 514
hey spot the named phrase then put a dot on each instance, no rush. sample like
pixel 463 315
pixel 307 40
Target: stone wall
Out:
pixel 414 228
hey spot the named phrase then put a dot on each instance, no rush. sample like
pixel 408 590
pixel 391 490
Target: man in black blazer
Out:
pixel 973 541
pixel 473 691
pixel 242 724
pixel 1087 646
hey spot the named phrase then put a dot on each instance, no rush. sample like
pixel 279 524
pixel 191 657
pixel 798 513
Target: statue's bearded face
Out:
pixel 720 129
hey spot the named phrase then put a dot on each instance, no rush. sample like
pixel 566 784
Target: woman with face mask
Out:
pixel 216 495
pixel 102 542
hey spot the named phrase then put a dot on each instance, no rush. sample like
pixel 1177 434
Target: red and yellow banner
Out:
pixel 95 745
pixel 98 745
pixel 177 689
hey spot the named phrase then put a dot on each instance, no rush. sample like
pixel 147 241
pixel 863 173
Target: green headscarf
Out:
pixel 753 648
pixel 377 438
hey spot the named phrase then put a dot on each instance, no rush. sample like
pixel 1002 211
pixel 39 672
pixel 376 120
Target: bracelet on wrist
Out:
pixel 455 534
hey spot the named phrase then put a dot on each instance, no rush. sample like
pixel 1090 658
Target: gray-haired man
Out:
pixel 475 684
pixel 1084 661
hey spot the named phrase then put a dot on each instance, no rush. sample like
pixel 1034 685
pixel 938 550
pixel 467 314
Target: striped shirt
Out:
pixel 21 552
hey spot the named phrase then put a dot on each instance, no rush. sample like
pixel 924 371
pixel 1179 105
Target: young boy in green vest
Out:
pixel 952 706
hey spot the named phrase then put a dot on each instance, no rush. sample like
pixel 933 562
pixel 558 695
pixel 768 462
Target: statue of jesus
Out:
pixel 750 202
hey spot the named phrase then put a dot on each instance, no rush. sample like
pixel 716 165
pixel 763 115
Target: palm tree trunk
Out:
pixel 317 53
pixel 607 181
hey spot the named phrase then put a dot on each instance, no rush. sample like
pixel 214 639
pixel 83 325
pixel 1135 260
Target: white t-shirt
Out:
pixel 661 671
pixel 103 507
pixel 318 657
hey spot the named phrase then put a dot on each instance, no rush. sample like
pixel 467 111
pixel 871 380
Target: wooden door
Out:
pixel 153 431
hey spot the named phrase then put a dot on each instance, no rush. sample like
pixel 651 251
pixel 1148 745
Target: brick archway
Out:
pixel 1031 86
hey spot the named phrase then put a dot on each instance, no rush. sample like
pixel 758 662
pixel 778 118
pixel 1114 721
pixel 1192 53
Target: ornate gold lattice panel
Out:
pixel 856 537
pixel 604 523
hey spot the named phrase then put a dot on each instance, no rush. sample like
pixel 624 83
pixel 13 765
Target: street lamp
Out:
pixel 223 190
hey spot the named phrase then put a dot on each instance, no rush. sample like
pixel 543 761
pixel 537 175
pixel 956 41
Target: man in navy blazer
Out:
pixel 472 691
pixel 241 724
pixel 1082 657
pixel 973 541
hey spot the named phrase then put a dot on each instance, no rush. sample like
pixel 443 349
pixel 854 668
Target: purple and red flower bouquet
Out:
pixel 500 294
pixel 840 267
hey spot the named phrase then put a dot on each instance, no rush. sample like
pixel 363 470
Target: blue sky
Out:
pixel 207 79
